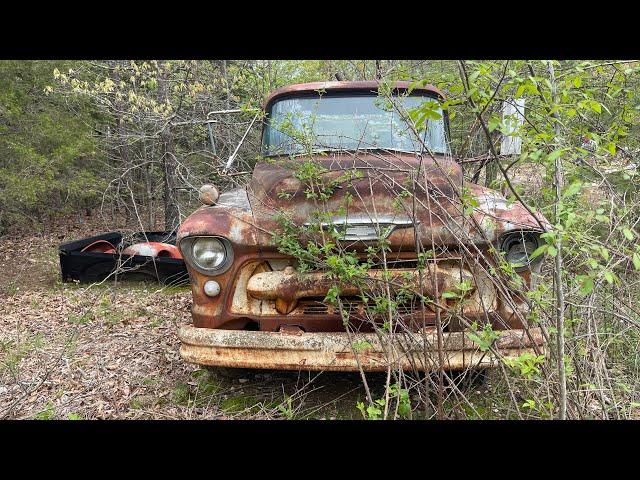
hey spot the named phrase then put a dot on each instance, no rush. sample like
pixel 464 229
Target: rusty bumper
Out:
pixel 334 351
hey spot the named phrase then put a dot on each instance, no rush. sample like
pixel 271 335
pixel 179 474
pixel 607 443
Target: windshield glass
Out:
pixel 335 122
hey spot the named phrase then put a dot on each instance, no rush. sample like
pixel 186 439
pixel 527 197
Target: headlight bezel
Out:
pixel 187 245
pixel 516 238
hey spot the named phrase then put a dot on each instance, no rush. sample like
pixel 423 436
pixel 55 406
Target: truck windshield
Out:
pixel 351 122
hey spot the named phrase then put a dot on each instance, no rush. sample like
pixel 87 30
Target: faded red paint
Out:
pixel 153 249
pixel 100 246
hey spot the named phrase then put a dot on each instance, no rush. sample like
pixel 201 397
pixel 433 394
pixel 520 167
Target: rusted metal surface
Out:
pixel 247 218
pixel 235 307
pixel 459 221
pixel 289 286
pixel 292 350
pixel 438 211
pixel 209 194
pixel 231 216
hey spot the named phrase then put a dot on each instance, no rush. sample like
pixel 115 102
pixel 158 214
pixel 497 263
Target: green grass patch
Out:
pixel 240 404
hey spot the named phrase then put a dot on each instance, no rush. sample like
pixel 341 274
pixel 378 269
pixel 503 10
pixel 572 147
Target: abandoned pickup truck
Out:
pixel 358 244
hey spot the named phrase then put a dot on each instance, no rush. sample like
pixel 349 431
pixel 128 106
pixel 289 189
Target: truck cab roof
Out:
pixel 366 86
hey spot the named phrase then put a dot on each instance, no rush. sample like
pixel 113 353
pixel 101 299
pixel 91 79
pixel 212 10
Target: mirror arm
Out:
pixel 233 155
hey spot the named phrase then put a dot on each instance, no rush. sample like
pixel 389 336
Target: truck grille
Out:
pixel 352 307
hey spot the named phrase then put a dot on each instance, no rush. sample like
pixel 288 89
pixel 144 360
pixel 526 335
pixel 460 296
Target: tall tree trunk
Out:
pixel 123 146
pixel 148 184
pixel 491 170
pixel 169 165
pixel 559 181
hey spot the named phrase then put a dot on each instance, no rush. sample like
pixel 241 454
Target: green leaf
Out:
pixel 493 124
pixel 628 233
pixel 555 154
pixel 538 251
pixel 608 276
pixel 553 251
pixel 586 286
pixel 373 412
pixel 572 189
pixel 636 261
pixel 362 345
pixel 593 263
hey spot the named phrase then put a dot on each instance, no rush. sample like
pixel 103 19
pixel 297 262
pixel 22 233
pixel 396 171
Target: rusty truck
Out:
pixel 455 261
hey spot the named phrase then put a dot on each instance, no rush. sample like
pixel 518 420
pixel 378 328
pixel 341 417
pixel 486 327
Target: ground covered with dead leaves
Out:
pixel 108 351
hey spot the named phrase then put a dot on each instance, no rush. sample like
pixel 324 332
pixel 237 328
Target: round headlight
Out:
pixel 518 247
pixel 209 253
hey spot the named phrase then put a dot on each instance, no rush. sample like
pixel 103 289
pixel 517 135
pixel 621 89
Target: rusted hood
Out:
pixel 231 217
pixel 249 216
pixel 375 195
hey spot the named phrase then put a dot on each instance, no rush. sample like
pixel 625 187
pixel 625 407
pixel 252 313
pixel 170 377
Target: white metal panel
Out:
pixel 512 119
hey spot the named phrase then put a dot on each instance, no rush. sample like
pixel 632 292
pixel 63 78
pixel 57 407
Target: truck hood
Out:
pixel 449 211
pixel 380 198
